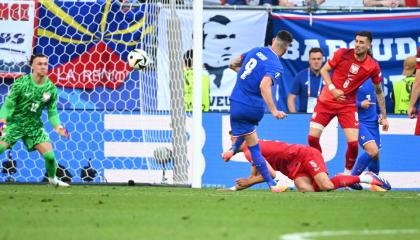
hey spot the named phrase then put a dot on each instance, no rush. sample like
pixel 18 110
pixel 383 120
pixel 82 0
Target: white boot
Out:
pixel 58 183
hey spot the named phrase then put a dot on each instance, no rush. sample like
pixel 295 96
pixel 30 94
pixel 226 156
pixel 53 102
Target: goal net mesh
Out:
pixel 124 124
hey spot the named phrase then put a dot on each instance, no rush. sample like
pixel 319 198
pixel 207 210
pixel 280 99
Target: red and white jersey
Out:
pixel 418 58
pixel 349 74
pixel 280 155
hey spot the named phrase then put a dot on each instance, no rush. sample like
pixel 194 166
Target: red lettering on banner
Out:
pixel 98 67
pixel 24 12
pixel 4 11
pixel 16 12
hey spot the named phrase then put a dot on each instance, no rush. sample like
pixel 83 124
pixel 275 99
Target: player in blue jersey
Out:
pixel 257 70
pixel 369 137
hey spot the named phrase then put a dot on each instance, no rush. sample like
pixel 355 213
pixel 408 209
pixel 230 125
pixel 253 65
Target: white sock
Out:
pixel 347 171
pixel 366 178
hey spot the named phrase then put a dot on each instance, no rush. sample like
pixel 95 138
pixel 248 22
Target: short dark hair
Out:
pixel 365 34
pixel 188 58
pixel 218 19
pixel 285 36
pixel 35 56
pixel 315 50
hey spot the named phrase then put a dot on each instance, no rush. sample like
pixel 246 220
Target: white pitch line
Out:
pixel 312 235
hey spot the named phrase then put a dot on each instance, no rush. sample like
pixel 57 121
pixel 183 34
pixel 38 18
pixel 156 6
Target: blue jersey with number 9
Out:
pixel 256 64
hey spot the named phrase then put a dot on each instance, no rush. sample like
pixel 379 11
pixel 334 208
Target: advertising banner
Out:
pixel 226 34
pixel 395 37
pixel 16 36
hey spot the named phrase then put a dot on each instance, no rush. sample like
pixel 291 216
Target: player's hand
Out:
pixel 338 94
pixel 366 103
pixel 411 112
pixel 2 126
pixel 384 123
pixel 227 155
pixel 62 132
pixel 279 114
pixel 242 183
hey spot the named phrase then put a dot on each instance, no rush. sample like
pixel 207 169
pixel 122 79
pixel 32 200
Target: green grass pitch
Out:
pixel 110 212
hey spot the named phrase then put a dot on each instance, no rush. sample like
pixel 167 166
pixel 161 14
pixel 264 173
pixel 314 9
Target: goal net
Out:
pixel 124 125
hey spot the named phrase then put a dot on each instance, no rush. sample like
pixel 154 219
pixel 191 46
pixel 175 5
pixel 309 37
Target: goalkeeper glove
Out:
pixel 2 126
pixel 62 131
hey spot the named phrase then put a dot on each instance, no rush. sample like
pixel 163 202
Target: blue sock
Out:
pixel 259 163
pixel 361 164
pixel 374 166
pixel 237 144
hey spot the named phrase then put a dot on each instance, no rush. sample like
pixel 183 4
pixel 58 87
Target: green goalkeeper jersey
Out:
pixel 26 100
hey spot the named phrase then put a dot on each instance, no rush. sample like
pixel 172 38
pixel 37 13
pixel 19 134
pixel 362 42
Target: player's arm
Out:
pixel 265 87
pixel 236 63
pixel 6 109
pixel 254 178
pixel 415 94
pixel 381 102
pixel 377 85
pixel 291 98
pixel 53 117
pixel 325 73
pixel 9 105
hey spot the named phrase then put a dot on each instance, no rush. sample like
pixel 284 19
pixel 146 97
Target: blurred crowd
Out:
pixel 319 3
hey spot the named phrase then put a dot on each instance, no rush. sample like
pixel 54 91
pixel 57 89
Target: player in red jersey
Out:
pixel 352 67
pixel 415 93
pixel 304 165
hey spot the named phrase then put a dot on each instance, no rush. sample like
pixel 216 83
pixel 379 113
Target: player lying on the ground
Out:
pixel 302 164
pixel 22 111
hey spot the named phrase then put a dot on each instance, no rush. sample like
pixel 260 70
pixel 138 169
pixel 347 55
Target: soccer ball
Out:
pixel 138 59
pixel 163 155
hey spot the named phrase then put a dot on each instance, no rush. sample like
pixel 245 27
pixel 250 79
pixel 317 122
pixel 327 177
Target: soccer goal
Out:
pixel 124 124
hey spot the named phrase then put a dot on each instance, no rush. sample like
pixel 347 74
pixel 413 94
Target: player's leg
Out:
pixel 317 169
pixel 374 165
pixel 3 146
pixel 313 165
pixel 235 148
pixel 45 149
pixel 323 182
pixel 10 136
pixel 371 150
pixel 243 120
pixel 304 184
pixel 39 140
pixel 352 148
pixel 320 119
pixel 257 158
pixel 340 181
pixel 348 119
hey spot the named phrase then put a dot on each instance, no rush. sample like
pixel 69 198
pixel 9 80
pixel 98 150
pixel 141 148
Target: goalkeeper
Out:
pixel 22 110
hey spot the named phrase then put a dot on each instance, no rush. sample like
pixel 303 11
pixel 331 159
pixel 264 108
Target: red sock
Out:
pixel 314 142
pixel 340 181
pixel 351 154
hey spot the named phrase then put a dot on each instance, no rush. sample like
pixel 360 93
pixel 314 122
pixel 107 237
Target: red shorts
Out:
pixel 311 163
pixel 417 131
pixel 346 114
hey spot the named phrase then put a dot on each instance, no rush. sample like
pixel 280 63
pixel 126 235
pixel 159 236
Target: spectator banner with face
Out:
pixel 395 37
pixel 16 36
pixel 226 34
